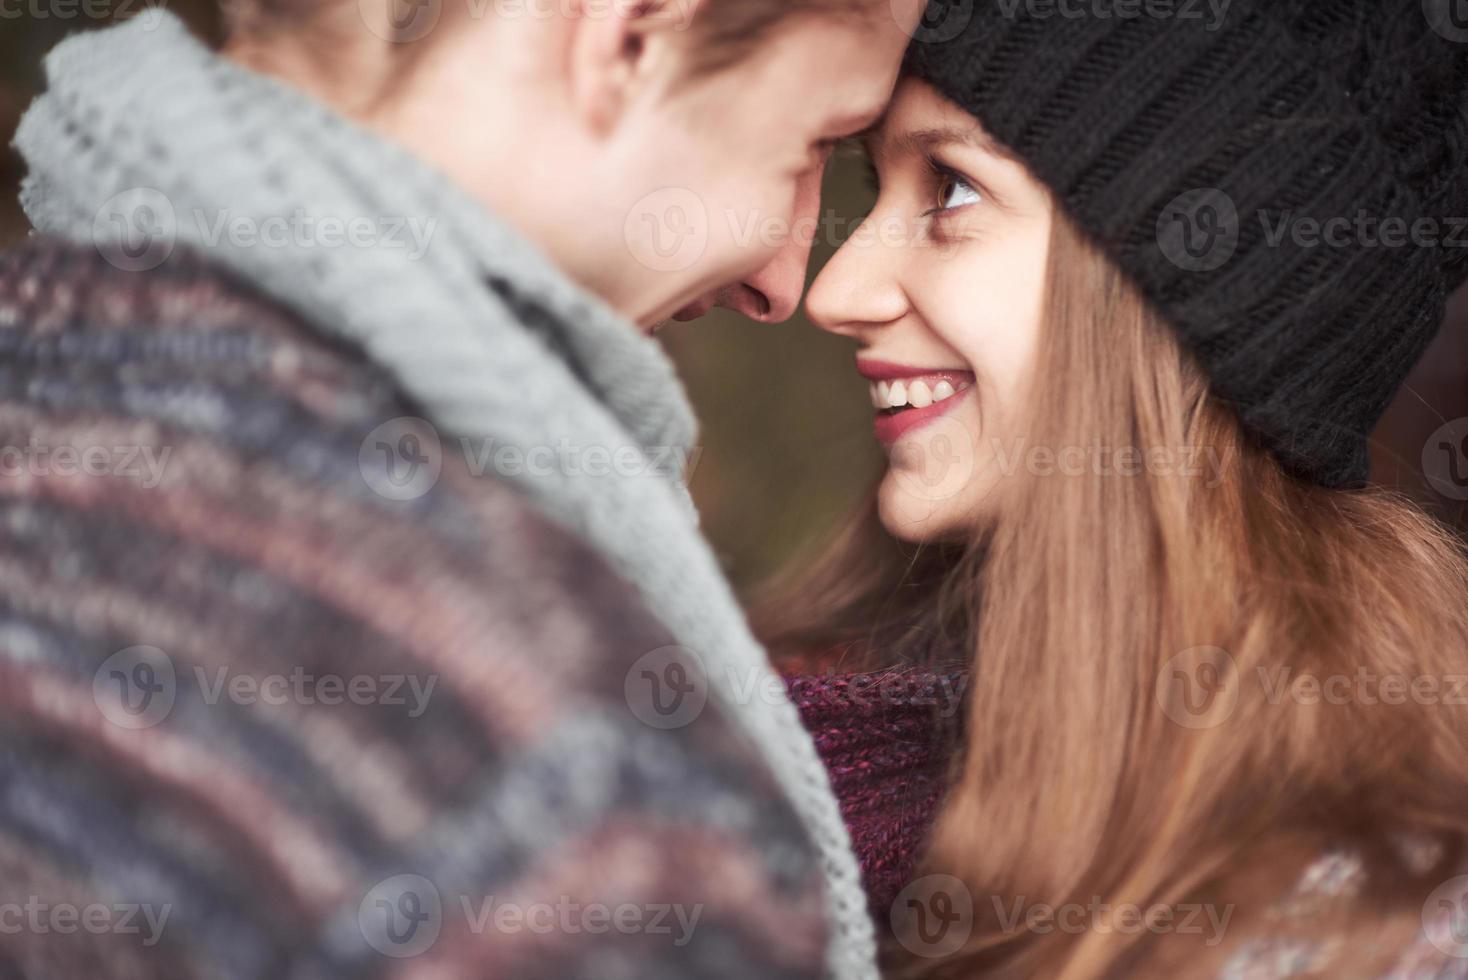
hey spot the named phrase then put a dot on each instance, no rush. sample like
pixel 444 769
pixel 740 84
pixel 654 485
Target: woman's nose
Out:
pixel 860 288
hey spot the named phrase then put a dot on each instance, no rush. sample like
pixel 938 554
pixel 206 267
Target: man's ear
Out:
pixel 617 46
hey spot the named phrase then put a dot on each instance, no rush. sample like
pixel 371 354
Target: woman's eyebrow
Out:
pixel 925 141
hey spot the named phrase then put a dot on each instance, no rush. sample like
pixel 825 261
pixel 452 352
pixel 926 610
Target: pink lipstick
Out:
pixel 907 397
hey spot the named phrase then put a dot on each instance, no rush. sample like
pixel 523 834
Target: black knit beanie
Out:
pixel 1284 180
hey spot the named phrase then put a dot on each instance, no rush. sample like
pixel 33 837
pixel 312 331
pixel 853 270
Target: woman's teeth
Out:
pixel 915 393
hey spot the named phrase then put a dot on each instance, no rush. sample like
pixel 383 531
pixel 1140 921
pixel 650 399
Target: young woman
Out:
pixel 1125 354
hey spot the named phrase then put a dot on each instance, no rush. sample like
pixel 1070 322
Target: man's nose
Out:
pixel 772 294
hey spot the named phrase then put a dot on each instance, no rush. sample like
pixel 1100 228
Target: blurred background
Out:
pixel 787 449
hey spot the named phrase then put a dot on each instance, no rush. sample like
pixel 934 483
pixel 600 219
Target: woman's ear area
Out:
pixel 620 49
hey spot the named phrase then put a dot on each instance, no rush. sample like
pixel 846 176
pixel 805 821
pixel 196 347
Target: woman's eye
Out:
pixel 955 192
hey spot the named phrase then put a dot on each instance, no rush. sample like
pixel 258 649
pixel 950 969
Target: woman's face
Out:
pixel 943 289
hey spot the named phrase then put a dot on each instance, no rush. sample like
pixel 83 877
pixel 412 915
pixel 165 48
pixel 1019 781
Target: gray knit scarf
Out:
pixel 477 327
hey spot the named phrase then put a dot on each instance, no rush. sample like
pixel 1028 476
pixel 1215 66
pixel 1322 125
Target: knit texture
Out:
pixel 1183 144
pixel 888 738
pixel 484 336
pixel 458 742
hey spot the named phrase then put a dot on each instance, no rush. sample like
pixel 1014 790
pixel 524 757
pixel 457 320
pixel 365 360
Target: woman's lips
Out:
pixel 908 397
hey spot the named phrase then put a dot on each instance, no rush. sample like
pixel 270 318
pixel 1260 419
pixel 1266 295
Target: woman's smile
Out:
pixel 906 398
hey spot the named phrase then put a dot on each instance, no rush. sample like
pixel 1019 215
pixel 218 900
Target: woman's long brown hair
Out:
pixel 1131 733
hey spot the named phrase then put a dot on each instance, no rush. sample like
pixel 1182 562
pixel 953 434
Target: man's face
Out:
pixel 755 142
pixel 648 181
pixel 772 293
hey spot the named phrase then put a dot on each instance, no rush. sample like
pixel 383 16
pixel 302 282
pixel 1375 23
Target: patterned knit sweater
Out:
pixel 261 720
pixel 887 738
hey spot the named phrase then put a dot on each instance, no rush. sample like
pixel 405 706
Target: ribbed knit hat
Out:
pixel 1243 161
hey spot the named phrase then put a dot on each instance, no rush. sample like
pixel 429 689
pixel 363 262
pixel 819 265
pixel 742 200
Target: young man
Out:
pixel 357 621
